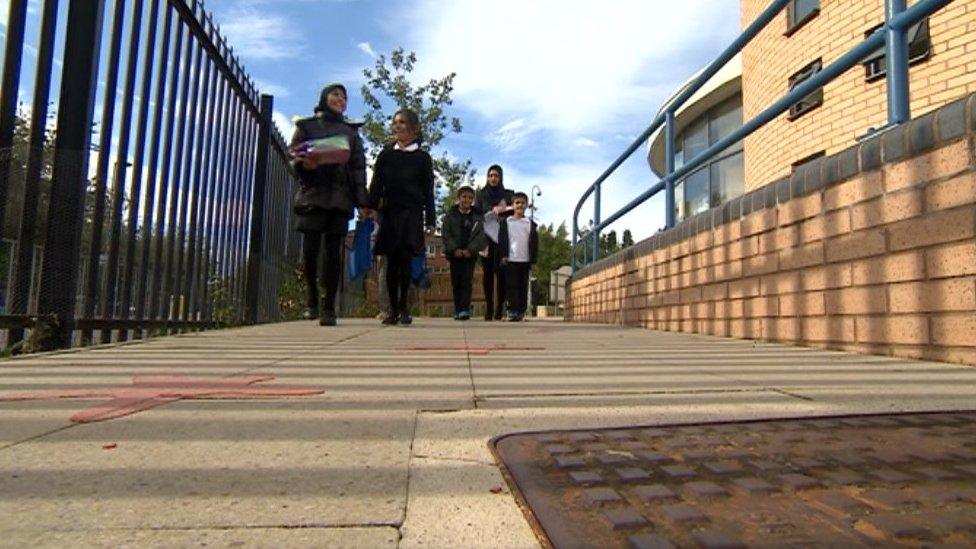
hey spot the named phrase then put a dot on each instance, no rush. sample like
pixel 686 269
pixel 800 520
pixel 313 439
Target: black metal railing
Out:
pixel 154 196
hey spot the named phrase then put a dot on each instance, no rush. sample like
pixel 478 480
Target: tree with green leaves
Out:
pixel 627 240
pixel 554 252
pixel 608 244
pixel 388 88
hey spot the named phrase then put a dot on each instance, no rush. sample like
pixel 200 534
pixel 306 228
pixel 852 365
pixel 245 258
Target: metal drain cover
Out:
pixel 873 480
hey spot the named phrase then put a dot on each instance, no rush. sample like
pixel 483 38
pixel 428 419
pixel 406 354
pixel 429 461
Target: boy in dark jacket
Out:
pixel 518 244
pixel 464 236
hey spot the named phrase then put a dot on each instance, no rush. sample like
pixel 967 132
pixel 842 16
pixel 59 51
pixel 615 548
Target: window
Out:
pixel 919 49
pixel 721 177
pixel 798 12
pixel 810 102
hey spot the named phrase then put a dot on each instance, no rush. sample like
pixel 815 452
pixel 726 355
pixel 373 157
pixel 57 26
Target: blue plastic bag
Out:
pixel 361 257
pixel 419 273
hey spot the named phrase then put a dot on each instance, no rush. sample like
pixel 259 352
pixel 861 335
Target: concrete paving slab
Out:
pixel 174 468
pixel 285 538
pixel 452 505
pixel 464 435
pixel 342 458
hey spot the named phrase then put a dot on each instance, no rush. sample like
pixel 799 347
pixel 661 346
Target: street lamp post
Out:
pixel 534 192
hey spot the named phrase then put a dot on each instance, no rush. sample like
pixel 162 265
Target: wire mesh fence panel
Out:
pixel 133 183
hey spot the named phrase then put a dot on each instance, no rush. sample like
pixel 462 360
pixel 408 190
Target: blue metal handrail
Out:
pixel 891 34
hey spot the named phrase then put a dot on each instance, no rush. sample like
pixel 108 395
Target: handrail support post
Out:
pixel 595 233
pixel 896 57
pixel 669 206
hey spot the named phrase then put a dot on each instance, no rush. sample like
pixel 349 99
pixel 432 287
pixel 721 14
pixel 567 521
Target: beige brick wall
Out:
pixel 850 105
pixel 884 263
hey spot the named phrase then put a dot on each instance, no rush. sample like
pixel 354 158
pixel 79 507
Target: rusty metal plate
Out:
pixel 871 480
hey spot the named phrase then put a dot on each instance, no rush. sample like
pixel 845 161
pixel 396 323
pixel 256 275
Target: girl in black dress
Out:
pixel 333 182
pixel 402 190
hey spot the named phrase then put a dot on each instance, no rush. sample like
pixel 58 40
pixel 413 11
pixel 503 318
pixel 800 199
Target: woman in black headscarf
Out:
pixel 402 189
pixel 493 200
pixel 327 154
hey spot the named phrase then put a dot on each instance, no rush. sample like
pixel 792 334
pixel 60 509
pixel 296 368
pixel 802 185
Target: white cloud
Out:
pixel 585 142
pixel 271 88
pixel 512 135
pixel 284 123
pixel 261 35
pixel 366 48
pixel 563 65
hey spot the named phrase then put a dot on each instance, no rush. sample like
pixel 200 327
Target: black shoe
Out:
pixel 406 319
pixel 328 318
pixel 310 313
pixel 390 320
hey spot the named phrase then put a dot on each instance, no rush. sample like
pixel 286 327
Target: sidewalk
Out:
pixel 393 453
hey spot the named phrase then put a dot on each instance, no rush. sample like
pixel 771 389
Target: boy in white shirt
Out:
pixel 518 244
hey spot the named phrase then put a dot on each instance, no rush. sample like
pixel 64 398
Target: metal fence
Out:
pixel 150 192
pixel 891 36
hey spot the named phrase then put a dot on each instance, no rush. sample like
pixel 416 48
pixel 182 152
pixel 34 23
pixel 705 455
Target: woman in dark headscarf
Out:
pixel 402 189
pixel 494 201
pixel 327 154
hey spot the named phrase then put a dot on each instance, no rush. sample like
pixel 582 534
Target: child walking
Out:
pixel 463 232
pixel 518 243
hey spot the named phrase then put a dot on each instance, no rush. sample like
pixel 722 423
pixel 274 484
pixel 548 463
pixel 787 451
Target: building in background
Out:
pixel 807 36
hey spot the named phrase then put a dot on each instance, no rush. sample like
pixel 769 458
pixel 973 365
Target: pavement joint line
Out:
pixel 38 436
pixel 406 488
pixel 229 527
pixel 789 394
pixel 627 393
pixel 467 356
pixel 325 345
pixel 459 460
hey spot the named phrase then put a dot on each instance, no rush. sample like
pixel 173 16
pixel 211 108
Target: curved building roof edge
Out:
pixel 723 85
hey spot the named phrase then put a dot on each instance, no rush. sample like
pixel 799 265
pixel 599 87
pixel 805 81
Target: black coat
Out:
pixel 486 199
pixel 335 189
pixel 453 225
pixel 402 189
pixel 503 244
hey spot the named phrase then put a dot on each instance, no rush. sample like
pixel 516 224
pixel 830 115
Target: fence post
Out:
pixel 59 273
pixel 18 295
pixel 252 295
pixel 13 55
pixel 669 213
pixel 896 57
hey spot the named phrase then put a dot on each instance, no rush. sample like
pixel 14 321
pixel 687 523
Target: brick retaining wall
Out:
pixel 870 250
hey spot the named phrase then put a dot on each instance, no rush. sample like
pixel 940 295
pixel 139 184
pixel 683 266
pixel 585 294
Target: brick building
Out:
pixel 807 36
pixel 824 228
pixel 811 33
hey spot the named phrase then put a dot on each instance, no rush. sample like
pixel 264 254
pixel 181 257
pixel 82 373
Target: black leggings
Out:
pixel 398 281
pixel 331 266
pixel 493 280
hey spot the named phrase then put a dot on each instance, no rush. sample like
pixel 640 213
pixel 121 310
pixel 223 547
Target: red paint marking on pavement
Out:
pixel 474 349
pixel 148 392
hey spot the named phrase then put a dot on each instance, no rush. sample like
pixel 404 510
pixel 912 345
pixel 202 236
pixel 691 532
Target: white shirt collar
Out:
pixel 409 148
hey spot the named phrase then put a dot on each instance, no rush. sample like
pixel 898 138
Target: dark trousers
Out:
pixel 462 277
pixel 517 276
pixel 331 267
pixel 398 282
pixel 493 278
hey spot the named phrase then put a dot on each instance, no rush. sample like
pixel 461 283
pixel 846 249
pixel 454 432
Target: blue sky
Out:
pixel 551 90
